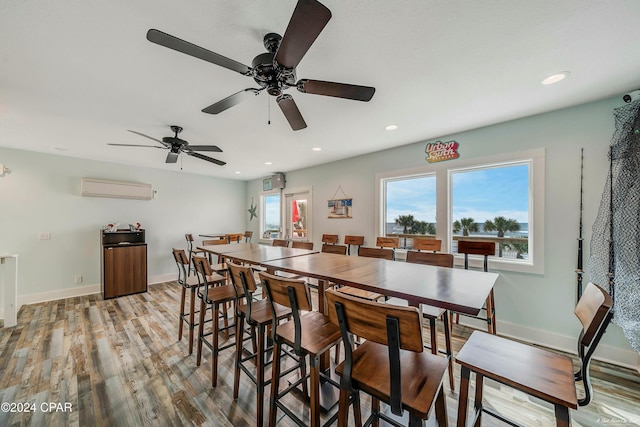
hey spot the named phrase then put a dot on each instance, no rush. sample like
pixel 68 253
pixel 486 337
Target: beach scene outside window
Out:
pixel 410 207
pixel 492 204
pixel 271 216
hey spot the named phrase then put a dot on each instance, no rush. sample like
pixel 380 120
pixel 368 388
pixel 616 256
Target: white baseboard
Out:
pixel 605 353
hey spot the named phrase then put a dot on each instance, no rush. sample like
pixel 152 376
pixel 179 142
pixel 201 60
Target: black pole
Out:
pixel 579 271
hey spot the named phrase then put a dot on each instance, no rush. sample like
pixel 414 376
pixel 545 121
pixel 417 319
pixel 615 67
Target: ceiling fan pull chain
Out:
pixel 268 110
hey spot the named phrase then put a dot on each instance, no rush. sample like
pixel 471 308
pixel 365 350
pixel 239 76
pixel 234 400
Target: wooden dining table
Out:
pixel 254 253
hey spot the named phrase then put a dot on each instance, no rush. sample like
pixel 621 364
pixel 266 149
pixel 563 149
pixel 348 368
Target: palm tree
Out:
pixel 467 225
pixel 423 227
pixel 501 225
pixel 406 222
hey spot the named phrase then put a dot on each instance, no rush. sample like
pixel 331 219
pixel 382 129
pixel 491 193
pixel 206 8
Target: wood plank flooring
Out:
pixel 118 363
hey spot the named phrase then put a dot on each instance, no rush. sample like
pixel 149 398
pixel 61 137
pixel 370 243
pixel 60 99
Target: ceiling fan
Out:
pixel 275 70
pixel 176 146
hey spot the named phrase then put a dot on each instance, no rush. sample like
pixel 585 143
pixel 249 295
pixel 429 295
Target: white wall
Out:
pixel 534 307
pixel 42 194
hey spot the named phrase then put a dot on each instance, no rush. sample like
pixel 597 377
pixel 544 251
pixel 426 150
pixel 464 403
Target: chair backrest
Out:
pixel 375 252
pixel 396 327
pixel 244 285
pixel 302 245
pixel 234 237
pixel 429 258
pixel 334 249
pixel 353 240
pixel 426 244
pixel 388 242
pixel 594 310
pixel 210 242
pixel 183 264
pixel 280 242
pixel 203 268
pixel 467 248
pixel 330 239
pixel 248 235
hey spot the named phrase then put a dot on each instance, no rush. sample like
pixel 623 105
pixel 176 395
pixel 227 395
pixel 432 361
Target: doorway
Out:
pixel 298 215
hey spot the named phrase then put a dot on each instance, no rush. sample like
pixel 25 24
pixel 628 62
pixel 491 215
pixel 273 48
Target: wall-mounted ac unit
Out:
pixel 121 190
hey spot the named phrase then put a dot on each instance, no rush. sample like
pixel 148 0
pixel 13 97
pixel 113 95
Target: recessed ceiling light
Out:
pixel 268 163
pixel 238 172
pixel 59 148
pixel 555 78
pixel 317 149
pixel 391 127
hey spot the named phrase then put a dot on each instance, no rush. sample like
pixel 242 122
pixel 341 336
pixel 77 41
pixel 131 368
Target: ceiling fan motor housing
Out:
pixel 269 74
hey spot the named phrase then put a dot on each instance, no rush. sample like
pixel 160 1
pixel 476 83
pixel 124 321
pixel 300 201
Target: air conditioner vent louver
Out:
pixel 116 189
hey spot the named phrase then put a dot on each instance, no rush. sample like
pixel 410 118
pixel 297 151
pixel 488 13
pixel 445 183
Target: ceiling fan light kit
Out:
pixel 275 70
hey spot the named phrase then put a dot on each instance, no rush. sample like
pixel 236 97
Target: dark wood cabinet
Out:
pixel 124 263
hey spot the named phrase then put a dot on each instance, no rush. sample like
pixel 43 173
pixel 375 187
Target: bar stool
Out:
pixel 541 373
pixel 334 249
pixel 280 242
pixel 212 294
pixel 390 365
pixel 191 251
pixel 485 249
pixel 329 239
pixel 353 240
pixel 186 282
pixel 431 313
pixel 311 334
pixel 247 236
pixel 426 244
pixel 257 314
pixel 392 243
pixel 302 245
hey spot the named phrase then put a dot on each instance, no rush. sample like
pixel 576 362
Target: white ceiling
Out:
pixel 76 74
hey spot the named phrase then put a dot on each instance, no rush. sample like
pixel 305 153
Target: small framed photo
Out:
pixel 340 208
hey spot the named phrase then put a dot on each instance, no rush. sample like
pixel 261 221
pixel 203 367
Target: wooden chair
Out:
pixel 213 294
pixel 247 236
pixel 334 249
pixel 392 243
pixel 390 365
pixel 191 251
pixel 353 240
pixel 186 282
pixel 257 314
pixel 541 373
pixel 431 313
pixel 329 239
pixel 234 237
pixel 280 242
pixel 218 266
pixel 302 245
pixel 311 334
pixel 426 244
pixel 375 252
pixel 485 249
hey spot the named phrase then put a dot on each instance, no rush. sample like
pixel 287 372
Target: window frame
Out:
pixel 263 195
pixel 444 199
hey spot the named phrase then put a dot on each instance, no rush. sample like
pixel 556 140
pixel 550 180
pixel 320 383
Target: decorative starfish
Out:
pixel 252 211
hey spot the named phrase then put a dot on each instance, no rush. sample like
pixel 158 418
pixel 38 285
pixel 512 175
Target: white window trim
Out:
pixel 535 264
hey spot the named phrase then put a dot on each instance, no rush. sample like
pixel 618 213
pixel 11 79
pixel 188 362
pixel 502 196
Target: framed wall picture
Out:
pixel 340 208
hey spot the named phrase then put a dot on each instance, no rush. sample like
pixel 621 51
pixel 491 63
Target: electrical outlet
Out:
pixel 78 279
pixel 44 236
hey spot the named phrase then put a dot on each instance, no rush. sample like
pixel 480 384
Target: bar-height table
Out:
pixel 254 253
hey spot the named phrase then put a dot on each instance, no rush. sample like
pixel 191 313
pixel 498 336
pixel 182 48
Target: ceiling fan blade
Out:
pixel 135 145
pixel 167 40
pixel 207 158
pixel 147 136
pixel 291 112
pixel 214 148
pixel 172 157
pixel 339 90
pixel 307 22
pixel 230 101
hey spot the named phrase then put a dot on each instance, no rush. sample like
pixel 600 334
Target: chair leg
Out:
pixel 491 314
pixel 463 398
pixel 200 331
pixel 239 340
pixel 181 317
pixel 477 404
pixel 260 377
pixel 433 331
pixel 192 310
pixel 446 320
pixel 441 408
pixel 343 408
pixel 215 338
pixel 314 403
pixel 375 409
pixel 275 383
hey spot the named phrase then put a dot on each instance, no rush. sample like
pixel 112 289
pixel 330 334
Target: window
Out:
pixel 410 205
pixel 270 224
pixel 491 203
pixel 498 198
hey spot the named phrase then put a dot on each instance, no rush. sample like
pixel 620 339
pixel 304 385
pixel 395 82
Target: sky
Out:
pixel 481 194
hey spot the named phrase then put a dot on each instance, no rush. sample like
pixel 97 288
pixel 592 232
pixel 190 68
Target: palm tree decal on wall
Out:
pixel 467 225
pixel 501 225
